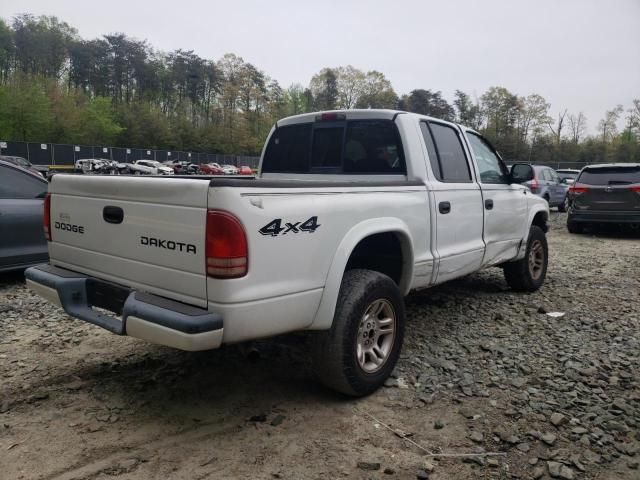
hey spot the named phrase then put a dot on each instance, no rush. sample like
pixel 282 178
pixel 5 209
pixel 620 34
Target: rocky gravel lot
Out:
pixel 490 385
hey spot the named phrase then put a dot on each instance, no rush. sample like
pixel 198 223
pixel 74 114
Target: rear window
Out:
pixel 356 146
pixel 610 176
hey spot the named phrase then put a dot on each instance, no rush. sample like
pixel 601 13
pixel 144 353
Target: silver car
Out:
pixel 22 241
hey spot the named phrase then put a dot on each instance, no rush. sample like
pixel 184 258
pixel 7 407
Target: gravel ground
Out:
pixel 485 372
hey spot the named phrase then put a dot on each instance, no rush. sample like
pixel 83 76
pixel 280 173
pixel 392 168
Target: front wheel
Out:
pixel 360 350
pixel 528 274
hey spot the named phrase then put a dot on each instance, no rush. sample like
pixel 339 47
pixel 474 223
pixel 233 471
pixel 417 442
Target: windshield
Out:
pixel 610 176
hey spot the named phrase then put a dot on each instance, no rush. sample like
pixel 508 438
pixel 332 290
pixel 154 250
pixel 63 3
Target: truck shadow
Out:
pixel 9 279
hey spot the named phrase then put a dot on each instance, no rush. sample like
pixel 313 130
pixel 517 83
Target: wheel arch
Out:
pixel 355 237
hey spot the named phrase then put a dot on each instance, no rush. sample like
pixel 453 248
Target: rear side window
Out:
pixel 610 176
pixel 17 184
pixel 356 146
pixel 449 163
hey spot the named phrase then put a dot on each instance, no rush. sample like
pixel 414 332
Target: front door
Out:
pixel 505 205
pixel 456 202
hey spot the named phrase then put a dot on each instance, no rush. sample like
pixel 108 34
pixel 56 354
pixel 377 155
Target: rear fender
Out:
pixel 324 315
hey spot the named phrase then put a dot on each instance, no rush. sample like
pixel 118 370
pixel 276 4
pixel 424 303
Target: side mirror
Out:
pixel 521 173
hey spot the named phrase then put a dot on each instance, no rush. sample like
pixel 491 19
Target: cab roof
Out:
pixel 355 114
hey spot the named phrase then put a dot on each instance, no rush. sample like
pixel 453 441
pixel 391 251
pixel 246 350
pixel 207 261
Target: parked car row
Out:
pixel 154 167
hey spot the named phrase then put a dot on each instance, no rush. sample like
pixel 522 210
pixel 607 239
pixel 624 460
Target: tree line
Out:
pixel 116 90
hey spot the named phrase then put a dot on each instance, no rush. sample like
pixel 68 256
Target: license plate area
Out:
pixel 108 296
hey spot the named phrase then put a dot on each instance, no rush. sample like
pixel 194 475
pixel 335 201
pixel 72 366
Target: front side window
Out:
pixel 452 163
pixel 491 168
pixel 16 184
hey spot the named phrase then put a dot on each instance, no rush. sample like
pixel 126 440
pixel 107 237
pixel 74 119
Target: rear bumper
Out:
pixel 603 217
pixel 145 316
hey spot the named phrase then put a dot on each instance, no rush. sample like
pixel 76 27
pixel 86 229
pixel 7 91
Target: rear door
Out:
pixel 505 205
pixel 608 189
pixel 458 202
pixel 146 233
pixel 22 239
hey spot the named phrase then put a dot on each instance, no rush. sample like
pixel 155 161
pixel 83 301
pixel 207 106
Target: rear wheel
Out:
pixel 360 350
pixel 528 274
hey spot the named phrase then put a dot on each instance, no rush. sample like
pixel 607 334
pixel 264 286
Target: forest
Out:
pixel 116 90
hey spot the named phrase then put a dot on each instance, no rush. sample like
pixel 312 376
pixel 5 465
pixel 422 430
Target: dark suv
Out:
pixel 605 194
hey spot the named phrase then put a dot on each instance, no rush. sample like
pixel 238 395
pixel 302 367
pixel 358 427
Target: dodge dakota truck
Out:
pixel 349 212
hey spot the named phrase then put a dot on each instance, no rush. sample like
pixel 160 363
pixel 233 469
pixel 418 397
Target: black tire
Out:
pixel 574 227
pixel 335 351
pixel 520 275
pixel 564 205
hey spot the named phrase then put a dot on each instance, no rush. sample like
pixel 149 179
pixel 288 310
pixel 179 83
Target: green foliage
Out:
pixel 25 111
pixel 58 87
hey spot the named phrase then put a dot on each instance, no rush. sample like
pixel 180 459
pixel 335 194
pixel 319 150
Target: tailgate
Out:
pixel 147 233
pixel 618 198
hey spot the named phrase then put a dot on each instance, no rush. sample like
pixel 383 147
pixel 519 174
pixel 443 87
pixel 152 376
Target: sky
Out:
pixel 582 55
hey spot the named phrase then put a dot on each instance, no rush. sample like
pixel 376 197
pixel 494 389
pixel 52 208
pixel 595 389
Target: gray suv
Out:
pixel 22 241
pixel 547 184
pixel 607 193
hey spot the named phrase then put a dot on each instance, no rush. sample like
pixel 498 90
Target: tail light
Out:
pixel 46 217
pixel 330 117
pixel 635 189
pixel 533 186
pixel 226 246
pixel 578 189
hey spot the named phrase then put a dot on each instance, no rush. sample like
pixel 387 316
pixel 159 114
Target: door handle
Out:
pixel 488 204
pixel 444 207
pixel 112 214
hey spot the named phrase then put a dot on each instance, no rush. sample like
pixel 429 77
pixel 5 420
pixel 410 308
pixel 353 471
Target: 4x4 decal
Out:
pixel 275 228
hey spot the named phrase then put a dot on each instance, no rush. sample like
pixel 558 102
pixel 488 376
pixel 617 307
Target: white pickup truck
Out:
pixel 350 211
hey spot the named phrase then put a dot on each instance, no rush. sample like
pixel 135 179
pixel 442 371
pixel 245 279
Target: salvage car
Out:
pixel 211 169
pixel 350 211
pixel 605 194
pixel 230 169
pixel 22 241
pixel 156 167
